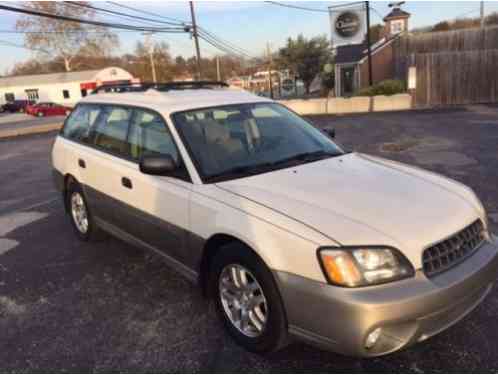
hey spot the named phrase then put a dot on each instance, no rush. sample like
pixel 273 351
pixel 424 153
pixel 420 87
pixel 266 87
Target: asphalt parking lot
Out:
pixel 67 306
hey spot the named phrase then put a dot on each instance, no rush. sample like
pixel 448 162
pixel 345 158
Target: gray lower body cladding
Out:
pixel 408 311
pixel 179 247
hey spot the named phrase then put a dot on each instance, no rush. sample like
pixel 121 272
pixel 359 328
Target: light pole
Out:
pixel 195 34
pixel 150 50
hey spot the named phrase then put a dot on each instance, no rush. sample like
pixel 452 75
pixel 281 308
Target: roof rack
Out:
pixel 165 86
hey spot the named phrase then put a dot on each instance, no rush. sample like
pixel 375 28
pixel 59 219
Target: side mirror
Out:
pixel 330 132
pixel 161 165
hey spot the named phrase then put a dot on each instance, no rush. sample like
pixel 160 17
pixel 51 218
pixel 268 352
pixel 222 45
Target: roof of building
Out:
pixel 396 13
pixel 355 53
pixel 177 100
pixel 49 78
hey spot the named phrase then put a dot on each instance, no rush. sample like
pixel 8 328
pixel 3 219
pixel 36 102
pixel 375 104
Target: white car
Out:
pixel 291 236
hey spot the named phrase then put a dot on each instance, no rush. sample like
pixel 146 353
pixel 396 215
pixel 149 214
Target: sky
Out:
pixel 247 24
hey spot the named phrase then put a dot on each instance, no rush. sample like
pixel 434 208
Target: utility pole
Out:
pixel 270 63
pixel 218 73
pixel 195 34
pixel 482 13
pixel 150 50
pixel 369 49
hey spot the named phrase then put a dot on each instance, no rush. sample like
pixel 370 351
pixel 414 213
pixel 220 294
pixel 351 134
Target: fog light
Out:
pixel 372 338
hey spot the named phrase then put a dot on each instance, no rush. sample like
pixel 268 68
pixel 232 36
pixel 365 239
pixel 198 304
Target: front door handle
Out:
pixel 81 163
pixel 126 182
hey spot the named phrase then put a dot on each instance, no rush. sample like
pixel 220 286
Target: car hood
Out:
pixel 360 200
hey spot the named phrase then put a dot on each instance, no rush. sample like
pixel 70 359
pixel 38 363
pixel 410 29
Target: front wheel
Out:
pixel 247 299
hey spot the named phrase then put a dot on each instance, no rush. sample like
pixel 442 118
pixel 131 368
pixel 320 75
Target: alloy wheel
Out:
pixel 243 300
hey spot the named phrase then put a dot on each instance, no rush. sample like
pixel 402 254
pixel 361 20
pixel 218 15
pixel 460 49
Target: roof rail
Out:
pixel 164 86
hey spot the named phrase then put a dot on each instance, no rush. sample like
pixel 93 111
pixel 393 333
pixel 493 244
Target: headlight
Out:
pixel 363 265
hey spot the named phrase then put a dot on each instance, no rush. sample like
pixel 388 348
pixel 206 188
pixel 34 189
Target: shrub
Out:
pixel 387 87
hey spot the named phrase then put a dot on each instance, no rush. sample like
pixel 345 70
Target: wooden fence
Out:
pixel 456 67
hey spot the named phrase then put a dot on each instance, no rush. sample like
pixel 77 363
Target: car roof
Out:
pixel 171 101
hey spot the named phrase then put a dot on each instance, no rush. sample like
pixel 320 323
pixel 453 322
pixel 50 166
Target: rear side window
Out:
pixel 149 135
pixel 80 121
pixel 111 130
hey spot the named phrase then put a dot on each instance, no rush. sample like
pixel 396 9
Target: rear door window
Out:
pixel 111 130
pixel 79 123
pixel 149 135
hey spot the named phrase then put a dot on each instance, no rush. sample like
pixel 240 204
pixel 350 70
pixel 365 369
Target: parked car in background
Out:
pixel 17 106
pixel 48 109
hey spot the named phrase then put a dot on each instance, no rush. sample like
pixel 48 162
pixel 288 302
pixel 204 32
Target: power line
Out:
pixel 120 14
pixel 220 47
pixel 297 7
pixel 228 47
pixel 146 12
pixel 224 41
pixel 86 21
pixel 377 13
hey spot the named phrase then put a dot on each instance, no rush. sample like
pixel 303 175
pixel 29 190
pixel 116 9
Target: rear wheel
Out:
pixel 81 218
pixel 247 299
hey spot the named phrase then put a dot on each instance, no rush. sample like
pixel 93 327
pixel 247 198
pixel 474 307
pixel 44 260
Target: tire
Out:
pixel 273 336
pixel 92 232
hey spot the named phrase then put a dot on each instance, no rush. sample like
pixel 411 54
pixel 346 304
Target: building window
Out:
pixel 397 26
pixel 32 94
pixel 84 93
pixel 65 94
pixel 9 97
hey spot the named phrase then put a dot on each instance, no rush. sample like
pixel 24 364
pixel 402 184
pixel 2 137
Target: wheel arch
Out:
pixel 209 251
pixel 68 179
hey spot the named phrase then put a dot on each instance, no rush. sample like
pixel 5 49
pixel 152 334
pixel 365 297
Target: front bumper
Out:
pixel 408 311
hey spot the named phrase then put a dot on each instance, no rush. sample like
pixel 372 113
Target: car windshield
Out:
pixel 245 139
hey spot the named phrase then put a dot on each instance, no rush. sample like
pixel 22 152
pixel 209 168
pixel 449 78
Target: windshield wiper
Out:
pixel 241 170
pixel 308 156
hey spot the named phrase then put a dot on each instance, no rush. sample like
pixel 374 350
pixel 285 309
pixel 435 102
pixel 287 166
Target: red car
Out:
pixel 47 109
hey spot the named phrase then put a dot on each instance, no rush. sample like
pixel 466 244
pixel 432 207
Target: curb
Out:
pixel 29 130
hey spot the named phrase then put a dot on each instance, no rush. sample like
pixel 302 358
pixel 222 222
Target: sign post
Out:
pixel 369 49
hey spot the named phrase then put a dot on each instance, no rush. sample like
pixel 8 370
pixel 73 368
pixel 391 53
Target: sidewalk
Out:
pixel 35 129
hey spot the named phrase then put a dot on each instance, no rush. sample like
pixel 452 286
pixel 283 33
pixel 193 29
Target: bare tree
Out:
pixel 65 39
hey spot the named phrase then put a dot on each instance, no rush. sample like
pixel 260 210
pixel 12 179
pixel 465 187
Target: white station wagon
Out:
pixel 290 235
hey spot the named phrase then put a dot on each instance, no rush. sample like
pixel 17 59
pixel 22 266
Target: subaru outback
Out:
pixel 291 236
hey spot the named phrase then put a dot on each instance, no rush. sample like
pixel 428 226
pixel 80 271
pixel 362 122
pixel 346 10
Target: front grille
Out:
pixel 448 253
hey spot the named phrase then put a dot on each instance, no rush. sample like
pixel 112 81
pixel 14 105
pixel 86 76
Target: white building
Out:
pixel 63 88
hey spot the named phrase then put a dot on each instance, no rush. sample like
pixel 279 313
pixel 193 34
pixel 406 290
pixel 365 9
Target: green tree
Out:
pixel 305 57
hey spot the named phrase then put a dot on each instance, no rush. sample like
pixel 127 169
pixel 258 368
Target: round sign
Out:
pixel 347 24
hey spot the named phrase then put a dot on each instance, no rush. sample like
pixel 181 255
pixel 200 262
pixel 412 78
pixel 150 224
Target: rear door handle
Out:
pixel 126 182
pixel 81 163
